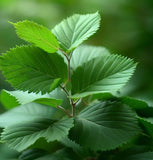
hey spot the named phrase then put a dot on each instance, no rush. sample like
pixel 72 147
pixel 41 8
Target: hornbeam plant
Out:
pixel 65 105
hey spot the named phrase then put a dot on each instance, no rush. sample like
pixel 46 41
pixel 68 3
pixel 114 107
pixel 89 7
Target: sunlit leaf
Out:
pixel 37 34
pixel 32 69
pixel 101 74
pixel 85 53
pixel 74 30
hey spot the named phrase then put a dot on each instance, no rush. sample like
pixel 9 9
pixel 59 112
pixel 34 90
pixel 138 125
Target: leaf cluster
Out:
pixel 65 104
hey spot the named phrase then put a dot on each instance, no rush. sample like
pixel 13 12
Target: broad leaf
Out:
pixel 30 122
pixel 21 136
pixel 140 106
pixel 101 74
pixel 104 126
pixel 32 69
pixel 11 99
pixel 28 97
pixel 74 30
pixel 84 53
pixel 29 112
pixel 37 34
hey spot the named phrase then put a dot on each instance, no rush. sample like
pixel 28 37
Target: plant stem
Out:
pixel 71 101
pixel 69 70
pixel 64 90
pixel 68 60
pixel 73 109
pixel 69 79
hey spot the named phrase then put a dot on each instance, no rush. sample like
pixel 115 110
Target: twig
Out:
pixel 64 90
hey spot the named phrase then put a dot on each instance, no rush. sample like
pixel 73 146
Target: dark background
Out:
pixel 126 28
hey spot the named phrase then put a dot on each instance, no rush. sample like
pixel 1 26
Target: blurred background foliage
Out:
pixel 126 28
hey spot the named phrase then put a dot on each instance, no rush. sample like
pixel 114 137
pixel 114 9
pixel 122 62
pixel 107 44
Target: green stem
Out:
pixel 69 79
pixel 69 70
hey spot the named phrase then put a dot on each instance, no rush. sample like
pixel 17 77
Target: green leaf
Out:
pixel 12 99
pixel 32 69
pixel 147 125
pixel 21 136
pixel 101 74
pixel 104 126
pixel 37 34
pixel 85 53
pixel 62 154
pixel 30 122
pixel 74 30
pixel 29 112
pixel 141 156
pixel 140 106
pixel 7 154
pixel 49 101
pixel 135 156
pixel 32 154
pixel 8 100
pixel 103 96
pixel 79 150
pixel 58 93
pixel 29 97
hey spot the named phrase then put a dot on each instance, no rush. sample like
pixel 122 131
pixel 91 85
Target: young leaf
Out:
pixel 104 126
pixel 74 30
pixel 101 74
pixel 37 34
pixel 32 69
pixel 23 135
pixel 85 53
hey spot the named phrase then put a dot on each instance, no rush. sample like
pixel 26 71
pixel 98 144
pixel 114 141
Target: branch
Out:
pixel 64 90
